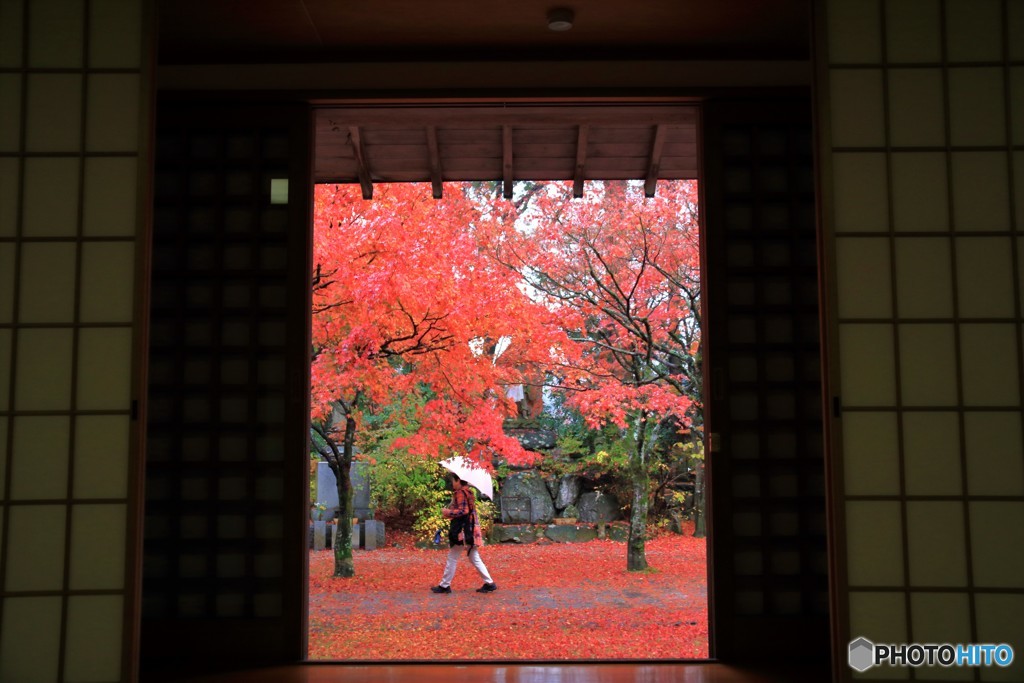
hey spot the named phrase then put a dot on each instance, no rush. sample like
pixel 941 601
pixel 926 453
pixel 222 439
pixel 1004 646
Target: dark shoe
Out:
pixel 440 589
pixel 487 588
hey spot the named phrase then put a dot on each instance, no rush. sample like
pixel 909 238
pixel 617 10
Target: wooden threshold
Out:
pixel 618 672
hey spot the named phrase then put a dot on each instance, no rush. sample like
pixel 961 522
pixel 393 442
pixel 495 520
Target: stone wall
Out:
pixel 533 497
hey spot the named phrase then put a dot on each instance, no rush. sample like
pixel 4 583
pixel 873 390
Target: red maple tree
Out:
pixel 621 271
pixel 405 305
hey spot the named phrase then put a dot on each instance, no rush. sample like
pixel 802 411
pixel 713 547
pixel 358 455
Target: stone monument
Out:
pixel 327 490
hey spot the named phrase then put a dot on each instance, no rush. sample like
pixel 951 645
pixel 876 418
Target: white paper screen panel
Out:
pixel 923 175
pixel 73 111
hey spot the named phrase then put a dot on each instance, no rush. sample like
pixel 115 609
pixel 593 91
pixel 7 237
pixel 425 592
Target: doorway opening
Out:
pixel 534 310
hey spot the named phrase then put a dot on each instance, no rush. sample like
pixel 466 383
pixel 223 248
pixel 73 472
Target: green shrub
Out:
pixel 429 520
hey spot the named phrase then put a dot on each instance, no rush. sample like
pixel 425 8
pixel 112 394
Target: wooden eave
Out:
pixel 368 145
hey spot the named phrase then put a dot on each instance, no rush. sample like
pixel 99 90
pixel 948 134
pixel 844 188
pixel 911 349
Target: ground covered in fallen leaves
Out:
pixel 554 601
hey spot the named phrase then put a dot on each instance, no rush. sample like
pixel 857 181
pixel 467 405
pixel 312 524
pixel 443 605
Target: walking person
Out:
pixel 463 531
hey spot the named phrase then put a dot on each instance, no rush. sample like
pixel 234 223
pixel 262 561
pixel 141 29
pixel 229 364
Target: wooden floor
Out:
pixel 497 673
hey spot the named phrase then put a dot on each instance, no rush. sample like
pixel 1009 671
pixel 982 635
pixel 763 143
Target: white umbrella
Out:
pixel 470 472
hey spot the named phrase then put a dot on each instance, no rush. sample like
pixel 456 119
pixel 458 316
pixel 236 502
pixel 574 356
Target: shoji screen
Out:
pixel 768 488
pixel 922 120
pixel 75 80
pixel 226 498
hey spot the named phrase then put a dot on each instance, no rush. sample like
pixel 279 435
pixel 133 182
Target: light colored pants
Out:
pixel 453 558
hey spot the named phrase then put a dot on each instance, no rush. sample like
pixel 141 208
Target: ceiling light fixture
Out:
pixel 560 19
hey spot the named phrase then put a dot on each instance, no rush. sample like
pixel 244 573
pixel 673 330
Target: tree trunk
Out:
pixel 343 564
pixel 636 551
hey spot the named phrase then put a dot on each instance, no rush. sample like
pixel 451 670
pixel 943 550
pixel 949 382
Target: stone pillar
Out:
pixel 373 534
pixel 319 535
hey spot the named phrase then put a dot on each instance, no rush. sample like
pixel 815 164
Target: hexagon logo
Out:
pixel 862 654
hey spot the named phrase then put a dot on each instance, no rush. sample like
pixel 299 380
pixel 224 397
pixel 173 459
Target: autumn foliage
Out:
pixel 412 293
pixel 405 303
pixel 622 273
pixel 440 306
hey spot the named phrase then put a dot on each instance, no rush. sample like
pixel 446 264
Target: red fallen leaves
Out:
pixel 558 601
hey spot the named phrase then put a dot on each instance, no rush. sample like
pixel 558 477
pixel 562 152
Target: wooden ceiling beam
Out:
pixel 654 162
pixel 331 176
pixel 522 117
pixel 506 161
pixel 581 161
pixel 435 162
pixel 364 170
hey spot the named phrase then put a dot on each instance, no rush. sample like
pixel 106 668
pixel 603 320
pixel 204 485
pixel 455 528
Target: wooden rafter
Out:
pixel 574 143
pixel 654 163
pixel 455 117
pixel 435 162
pixel 364 170
pixel 506 161
pixel 581 161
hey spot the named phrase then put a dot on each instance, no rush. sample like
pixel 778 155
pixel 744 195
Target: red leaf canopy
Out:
pixel 411 295
pixel 621 271
pixel 405 302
